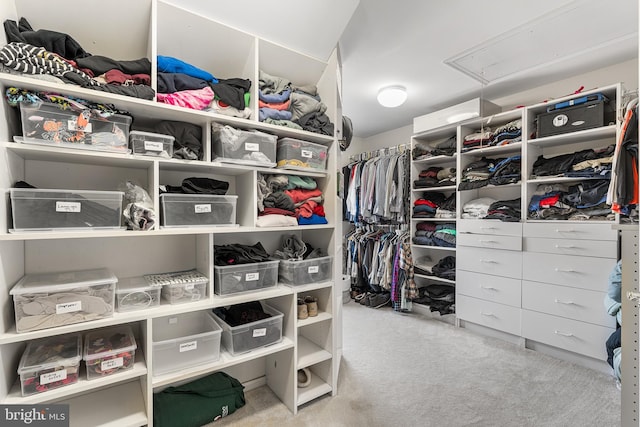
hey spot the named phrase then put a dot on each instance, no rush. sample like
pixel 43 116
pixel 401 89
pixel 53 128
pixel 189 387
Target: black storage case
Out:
pixel 571 119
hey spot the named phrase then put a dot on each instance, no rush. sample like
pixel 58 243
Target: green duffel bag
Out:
pixel 199 402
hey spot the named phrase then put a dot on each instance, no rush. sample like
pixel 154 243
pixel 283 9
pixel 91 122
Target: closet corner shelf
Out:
pixel 435 160
pixel 489 151
pixel 226 360
pixel 321 317
pixel 81 387
pixel 310 286
pixel 429 189
pixel 436 279
pixel 579 136
pixel 442 248
pixel 316 389
pixel 310 353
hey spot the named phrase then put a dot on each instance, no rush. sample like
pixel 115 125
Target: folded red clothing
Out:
pixel 276 211
pixel 425 202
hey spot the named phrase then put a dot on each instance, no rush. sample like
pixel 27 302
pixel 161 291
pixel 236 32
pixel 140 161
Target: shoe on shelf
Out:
pixel 303 313
pixel 304 377
pixel 379 300
pixel 312 305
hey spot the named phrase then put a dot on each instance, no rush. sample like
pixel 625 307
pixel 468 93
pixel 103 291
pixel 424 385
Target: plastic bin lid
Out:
pixel 109 341
pixel 135 284
pixel 179 278
pixel 151 134
pixel 51 352
pixel 45 282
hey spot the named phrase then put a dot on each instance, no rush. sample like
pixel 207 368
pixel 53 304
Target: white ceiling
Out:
pixel 407 42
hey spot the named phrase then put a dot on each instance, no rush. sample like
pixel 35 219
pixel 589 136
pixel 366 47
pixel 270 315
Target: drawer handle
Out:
pixel 488 241
pixel 566 247
pixel 570 230
pixel 487 314
pixel 564 334
pixel 488 228
pixel 564 302
pixel 490 288
pixel 489 261
pixel 562 270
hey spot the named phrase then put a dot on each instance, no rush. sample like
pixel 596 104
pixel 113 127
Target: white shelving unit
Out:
pixel 538 283
pixel 151 28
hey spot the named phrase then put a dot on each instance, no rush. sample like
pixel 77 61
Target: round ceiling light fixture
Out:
pixel 392 96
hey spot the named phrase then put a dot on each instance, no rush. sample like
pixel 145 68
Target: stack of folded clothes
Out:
pixel 435 205
pixel 586 163
pixel 440 298
pixel 435 234
pixel 435 176
pixel 505 210
pixel 583 201
pixel 491 171
pixel 442 148
pixel 477 208
pixel 503 135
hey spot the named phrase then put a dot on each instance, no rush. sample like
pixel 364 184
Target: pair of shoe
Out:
pixel 307 307
pixel 374 300
pixel 304 377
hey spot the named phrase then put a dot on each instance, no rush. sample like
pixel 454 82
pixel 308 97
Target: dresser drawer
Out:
pixel 595 248
pixel 570 231
pixel 503 290
pixel 572 335
pixel 510 243
pixel 490 314
pixel 577 304
pixel 568 270
pixel 489 261
pixel 493 227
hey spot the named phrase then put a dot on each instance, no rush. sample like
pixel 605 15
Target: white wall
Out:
pixel 625 72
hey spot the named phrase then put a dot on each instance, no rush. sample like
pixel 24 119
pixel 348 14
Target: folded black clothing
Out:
pixel 279 200
pixel 176 82
pixel 241 314
pixel 195 185
pixel 188 138
pixel 316 122
pixel 235 253
pixel 53 41
pixel 231 91
pixel 562 163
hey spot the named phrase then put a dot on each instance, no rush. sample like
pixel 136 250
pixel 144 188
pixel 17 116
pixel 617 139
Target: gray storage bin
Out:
pixel 231 279
pixel 247 337
pixel 192 210
pixel 301 155
pixel 47 210
pixel 151 144
pixel 305 271
pixel 242 146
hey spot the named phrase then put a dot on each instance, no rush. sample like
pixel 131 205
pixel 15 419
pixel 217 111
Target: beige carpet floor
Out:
pixel 407 370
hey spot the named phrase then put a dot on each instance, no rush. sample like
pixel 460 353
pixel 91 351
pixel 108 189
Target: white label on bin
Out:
pixel 306 153
pixel 203 209
pixel 189 286
pixel 118 362
pixel 259 332
pixel 153 146
pixel 173 320
pixel 52 377
pixel 188 346
pixel 313 269
pixel 68 206
pixel 72 124
pixel 251 277
pixel 251 146
pixel 68 307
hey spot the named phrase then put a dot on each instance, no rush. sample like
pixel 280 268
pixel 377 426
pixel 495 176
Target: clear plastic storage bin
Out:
pixel 48 300
pixel 243 146
pixel 305 271
pixel 231 279
pixel 151 144
pixel 180 286
pixel 109 351
pixel 191 210
pixel 247 337
pixel 50 363
pixel 47 124
pixel 302 155
pixel 55 210
pixel 184 340
pixel 135 293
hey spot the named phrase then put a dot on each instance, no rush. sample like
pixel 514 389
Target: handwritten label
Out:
pixel 68 307
pixel 68 206
pixel 259 332
pixel 306 153
pixel 188 346
pixel 251 277
pixel 153 146
pixel 313 269
pixel 251 146
pixel 52 377
pixel 118 362
pixel 203 209
pixel 189 286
